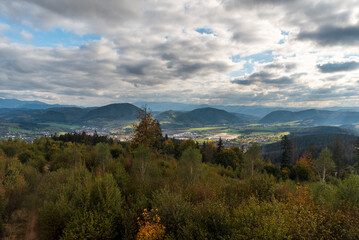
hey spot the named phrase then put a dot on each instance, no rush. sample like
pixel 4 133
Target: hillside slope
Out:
pixel 312 117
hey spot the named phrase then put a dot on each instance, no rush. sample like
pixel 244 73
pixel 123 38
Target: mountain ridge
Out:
pixel 313 117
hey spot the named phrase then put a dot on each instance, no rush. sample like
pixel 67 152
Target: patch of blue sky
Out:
pixel 263 57
pixel 351 55
pixel 247 69
pixel 283 33
pixel 41 38
pixel 204 30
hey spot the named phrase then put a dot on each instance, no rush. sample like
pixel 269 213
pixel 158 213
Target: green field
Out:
pixel 18 130
pixel 61 125
pixel 205 128
pixel 274 134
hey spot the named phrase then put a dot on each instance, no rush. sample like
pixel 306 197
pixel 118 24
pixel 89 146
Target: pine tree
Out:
pixel 338 154
pixel 219 145
pixel 356 154
pixel 287 152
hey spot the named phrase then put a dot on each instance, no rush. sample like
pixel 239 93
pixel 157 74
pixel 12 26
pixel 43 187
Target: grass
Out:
pixel 61 125
pixel 18 130
pixel 254 125
pixel 205 128
pixel 278 134
pixel 293 123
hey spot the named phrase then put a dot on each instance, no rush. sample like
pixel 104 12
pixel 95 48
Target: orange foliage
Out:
pixel 306 160
pixel 301 198
pixel 150 227
pixel 148 131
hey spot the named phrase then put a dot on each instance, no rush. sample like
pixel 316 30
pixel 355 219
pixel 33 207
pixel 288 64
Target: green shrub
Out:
pixel 324 194
pixel 348 191
pixel 83 196
pixel 260 220
pixel 174 211
pixel 209 220
pixel 263 186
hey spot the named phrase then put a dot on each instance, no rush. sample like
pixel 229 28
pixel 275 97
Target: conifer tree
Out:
pixel 356 154
pixel 287 152
pixel 338 154
pixel 219 145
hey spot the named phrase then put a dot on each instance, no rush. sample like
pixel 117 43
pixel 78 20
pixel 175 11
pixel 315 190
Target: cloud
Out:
pixel 264 78
pixel 281 66
pixel 338 67
pixel 4 27
pixel 26 35
pixel 182 51
pixel 332 35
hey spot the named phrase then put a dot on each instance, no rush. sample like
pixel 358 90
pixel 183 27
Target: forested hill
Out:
pixel 301 144
pixel 200 117
pixel 312 117
pixel 73 115
pixel 321 130
pixel 118 111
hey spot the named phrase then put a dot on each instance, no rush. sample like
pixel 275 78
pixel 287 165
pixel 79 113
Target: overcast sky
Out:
pixel 266 52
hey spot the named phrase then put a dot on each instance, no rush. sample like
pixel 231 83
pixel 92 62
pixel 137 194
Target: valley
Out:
pixel 200 124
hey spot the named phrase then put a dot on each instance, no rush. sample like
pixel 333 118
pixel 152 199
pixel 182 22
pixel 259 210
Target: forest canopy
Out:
pixel 78 186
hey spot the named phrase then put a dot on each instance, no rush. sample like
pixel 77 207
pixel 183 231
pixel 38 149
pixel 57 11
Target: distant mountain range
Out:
pixel 73 115
pixel 257 111
pixel 312 117
pixel 12 110
pixel 254 110
pixel 121 112
pixel 14 103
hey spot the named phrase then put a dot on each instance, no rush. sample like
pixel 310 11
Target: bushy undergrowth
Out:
pixel 101 191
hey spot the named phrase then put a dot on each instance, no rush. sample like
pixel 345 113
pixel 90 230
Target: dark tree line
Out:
pixel 88 139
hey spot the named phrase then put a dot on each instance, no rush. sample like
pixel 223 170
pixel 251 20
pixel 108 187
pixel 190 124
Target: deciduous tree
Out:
pixel 148 131
pixel 324 164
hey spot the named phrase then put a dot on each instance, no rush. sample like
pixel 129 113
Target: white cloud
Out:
pixel 150 50
pixel 4 27
pixel 26 35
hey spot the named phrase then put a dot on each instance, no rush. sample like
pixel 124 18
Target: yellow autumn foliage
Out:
pixel 150 227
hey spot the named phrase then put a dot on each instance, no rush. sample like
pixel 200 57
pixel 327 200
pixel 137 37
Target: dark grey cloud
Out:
pixel 264 78
pixel 338 67
pixel 169 56
pixel 243 82
pixel 136 69
pixel 279 81
pixel 330 93
pixel 281 66
pixel 230 4
pixel 332 35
